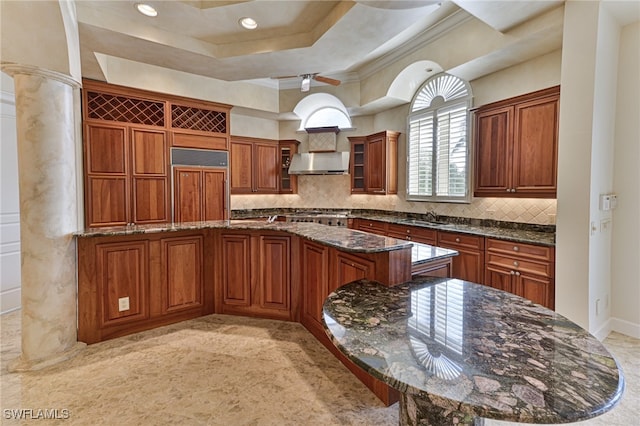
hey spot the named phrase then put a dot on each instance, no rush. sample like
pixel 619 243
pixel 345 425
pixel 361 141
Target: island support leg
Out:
pixel 415 411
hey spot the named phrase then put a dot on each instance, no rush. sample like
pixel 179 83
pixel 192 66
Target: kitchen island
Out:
pixel 134 278
pixel 459 352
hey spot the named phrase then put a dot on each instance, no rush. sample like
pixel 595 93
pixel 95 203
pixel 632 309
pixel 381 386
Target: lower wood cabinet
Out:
pixel 468 265
pixel 527 270
pixel 348 267
pixel 182 273
pixel 133 283
pixel 256 275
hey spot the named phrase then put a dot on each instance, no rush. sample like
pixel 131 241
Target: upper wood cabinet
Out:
pixel 254 165
pixel 516 146
pixel 127 133
pixel 374 163
pixel 126 177
pixel 288 183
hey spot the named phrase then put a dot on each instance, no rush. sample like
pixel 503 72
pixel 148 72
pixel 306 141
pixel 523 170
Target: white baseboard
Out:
pixel 603 331
pixel 10 300
pixel 625 327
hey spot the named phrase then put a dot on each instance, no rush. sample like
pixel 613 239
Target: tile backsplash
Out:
pixel 334 192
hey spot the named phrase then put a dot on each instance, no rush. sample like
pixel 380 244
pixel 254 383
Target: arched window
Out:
pixel 438 142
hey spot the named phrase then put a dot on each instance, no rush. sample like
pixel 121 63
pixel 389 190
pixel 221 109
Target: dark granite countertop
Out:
pixel 424 253
pixel 521 233
pixel 512 231
pixel 474 350
pixel 340 237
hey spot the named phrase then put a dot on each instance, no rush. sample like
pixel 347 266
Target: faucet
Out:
pixel 272 219
pixel 431 216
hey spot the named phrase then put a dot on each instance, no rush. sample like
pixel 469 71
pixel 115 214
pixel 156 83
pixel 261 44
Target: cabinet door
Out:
pixel 315 282
pixel 275 273
pixel 236 269
pixel 469 263
pixel 493 136
pixel 535 288
pixel 499 278
pixel 149 176
pixel 535 146
pixel 187 194
pixel 123 280
pixel 357 165
pixel 241 167
pixel 350 268
pixel 265 163
pixel 106 157
pixel 288 183
pixel 214 194
pixel 182 274
pixel 376 164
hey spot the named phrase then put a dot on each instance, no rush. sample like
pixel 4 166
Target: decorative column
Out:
pixel 46 132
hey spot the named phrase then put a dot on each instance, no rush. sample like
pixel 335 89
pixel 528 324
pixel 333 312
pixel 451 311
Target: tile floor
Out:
pixel 222 370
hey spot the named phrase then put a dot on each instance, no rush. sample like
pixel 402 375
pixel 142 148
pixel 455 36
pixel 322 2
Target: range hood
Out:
pixel 320 163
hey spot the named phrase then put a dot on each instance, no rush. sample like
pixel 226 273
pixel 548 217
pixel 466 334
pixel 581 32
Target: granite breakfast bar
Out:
pixel 459 352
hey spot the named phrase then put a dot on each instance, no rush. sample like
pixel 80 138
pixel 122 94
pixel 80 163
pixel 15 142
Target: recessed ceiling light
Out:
pixel 146 9
pixel 248 23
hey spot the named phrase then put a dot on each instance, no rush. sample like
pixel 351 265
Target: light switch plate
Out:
pixel 123 304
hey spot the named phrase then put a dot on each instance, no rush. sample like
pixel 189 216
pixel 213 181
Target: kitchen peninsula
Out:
pixel 133 278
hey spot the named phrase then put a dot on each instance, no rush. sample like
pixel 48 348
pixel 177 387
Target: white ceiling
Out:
pixel 333 38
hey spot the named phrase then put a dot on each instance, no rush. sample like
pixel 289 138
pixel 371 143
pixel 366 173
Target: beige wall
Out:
pixel 625 264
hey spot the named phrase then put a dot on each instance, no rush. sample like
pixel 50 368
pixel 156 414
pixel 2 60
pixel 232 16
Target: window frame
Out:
pixel 438 103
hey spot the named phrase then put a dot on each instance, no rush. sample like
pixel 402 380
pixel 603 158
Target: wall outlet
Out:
pixel 123 304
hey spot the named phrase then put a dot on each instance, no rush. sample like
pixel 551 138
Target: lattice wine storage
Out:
pixel 191 118
pixel 124 109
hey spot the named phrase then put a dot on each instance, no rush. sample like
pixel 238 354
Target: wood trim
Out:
pixel 549 91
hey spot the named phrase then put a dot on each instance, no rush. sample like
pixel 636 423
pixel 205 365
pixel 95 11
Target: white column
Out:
pixel 47 170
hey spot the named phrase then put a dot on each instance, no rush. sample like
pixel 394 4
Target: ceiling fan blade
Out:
pixel 285 76
pixel 331 81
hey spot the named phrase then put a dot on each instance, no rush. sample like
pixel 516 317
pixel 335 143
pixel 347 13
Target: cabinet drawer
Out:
pixel 544 269
pixel 520 250
pixel 457 240
pixel 412 233
pixel 372 226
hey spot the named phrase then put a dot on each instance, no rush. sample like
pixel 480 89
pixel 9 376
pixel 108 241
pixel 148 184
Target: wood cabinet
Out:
pixel 133 283
pixel 254 166
pixel 256 275
pixel 516 146
pixel 526 270
pixel 469 263
pixel 126 177
pixel 199 194
pixel 315 284
pixel 126 140
pixel 374 163
pixel 368 225
pixel 412 233
pixel 288 183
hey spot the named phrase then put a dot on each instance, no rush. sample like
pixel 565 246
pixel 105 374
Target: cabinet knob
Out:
pixel 512 272
pixel 457 240
pixel 517 273
pixel 508 189
pixel 516 264
pixel 408 238
pixel 516 248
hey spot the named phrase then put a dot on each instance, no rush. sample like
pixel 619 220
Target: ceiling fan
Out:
pixel 306 80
